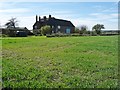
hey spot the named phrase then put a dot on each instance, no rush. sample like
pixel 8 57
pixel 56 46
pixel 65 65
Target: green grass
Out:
pixel 66 62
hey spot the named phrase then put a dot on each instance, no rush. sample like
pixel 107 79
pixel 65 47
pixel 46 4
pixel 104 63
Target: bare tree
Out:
pixel 83 29
pixel 11 23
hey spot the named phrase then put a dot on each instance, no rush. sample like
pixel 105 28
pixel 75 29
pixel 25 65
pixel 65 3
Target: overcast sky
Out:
pixel 79 13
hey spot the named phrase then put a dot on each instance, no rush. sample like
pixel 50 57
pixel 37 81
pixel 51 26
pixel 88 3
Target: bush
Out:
pixel 3 35
pixel 62 35
pixel 94 33
pixel 77 30
pixel 46 30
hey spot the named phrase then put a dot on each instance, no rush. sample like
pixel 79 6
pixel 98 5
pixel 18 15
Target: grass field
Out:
pixel 66 62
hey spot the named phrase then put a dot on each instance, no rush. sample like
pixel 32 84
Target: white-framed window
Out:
pixel 35 27
pixel 58 27
pixel 52 31
pixel 52 26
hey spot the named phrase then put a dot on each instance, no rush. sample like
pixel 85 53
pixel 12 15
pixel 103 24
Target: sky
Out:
pixel 79 13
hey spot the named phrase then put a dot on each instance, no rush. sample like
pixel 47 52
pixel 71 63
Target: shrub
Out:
pixel 77 30
pixel 46 30
pixel 94 33
pixel 3 35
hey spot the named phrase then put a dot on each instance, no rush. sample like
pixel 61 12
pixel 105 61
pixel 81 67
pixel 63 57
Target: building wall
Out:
pixel 62 29
pixel 13 32
pixel 36 31
pixel 5 31
pixel 55 28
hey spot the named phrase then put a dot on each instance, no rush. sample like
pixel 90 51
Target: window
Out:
pixel 52 31
pixel 42 20
pixel 35 27
pixel 52 26
pixel 68 30
pixel 58 27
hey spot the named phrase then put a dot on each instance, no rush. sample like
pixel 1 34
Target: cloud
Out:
pixel 113 8
pixel 109 20
pixel 57 13
pixel 85 21
pixel 26 16
pixel 102 16
pixel 58 1
pixel 95 18
pixel 4 5
pixel 90 22
pixel 27 22
pixel 109 10
pixel 17 10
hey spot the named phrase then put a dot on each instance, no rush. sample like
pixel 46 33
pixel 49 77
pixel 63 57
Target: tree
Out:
pixel 97 28
pixel 77 30
pixel 46 30
pixel 11 23
pixel 83 29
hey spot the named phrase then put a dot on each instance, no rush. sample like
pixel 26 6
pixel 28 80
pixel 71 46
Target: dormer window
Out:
pixel 42 20
pixel 35 27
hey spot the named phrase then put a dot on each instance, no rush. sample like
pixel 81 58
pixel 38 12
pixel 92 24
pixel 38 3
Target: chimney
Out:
pixel 36 18
pixel 44 17
pixel 49 16
pixel 39 18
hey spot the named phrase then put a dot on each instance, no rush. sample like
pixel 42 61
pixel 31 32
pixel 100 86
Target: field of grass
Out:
pixel 66 62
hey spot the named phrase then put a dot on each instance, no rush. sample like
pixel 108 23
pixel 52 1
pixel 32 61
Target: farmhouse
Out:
pixel 57 25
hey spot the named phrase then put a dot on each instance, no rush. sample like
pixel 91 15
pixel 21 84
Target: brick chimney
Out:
pixel 49 16
pixel 44 17
pixel 39 18
pixel 36 18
